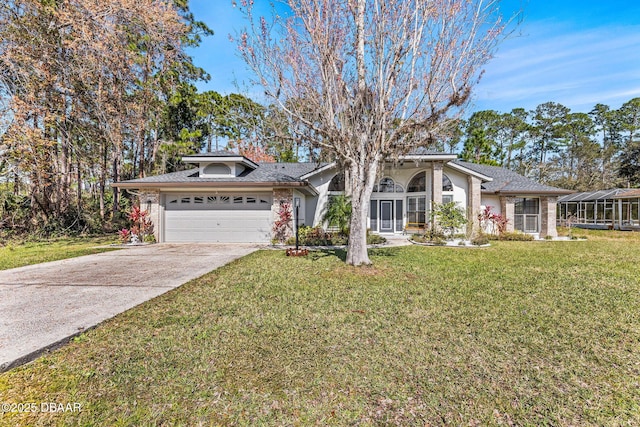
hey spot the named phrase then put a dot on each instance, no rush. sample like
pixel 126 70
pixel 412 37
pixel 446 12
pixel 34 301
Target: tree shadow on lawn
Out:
pixel 315 255
pixel 342 253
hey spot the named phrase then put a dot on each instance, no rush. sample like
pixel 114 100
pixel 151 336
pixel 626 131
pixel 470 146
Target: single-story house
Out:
pixel 227 197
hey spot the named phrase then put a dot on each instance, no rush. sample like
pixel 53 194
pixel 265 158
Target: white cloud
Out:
pixel 576 69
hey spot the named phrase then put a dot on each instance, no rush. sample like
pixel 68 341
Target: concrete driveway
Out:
pixel 43 305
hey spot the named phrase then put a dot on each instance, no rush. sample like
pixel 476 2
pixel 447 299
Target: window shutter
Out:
pixel 399 213
pixel 373 214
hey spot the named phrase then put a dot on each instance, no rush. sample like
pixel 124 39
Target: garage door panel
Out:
pixel 186 221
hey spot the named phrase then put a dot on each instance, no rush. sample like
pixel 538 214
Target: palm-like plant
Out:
pixel 338 213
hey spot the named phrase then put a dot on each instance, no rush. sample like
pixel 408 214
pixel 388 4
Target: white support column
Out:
pixel 436 183
pixel 473 202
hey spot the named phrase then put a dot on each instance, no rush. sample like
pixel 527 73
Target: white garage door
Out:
pixel 233 217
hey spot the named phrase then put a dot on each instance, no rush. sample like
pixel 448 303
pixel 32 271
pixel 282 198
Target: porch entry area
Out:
pixel 386 216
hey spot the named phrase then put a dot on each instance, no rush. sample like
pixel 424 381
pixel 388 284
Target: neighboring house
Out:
pixel 229 198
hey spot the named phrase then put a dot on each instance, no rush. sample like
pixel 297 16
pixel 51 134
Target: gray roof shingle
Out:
pixel 266 172
pixel 506 181
pixel 423 151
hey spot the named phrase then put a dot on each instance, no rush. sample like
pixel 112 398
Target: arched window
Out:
pixel 446 183
pixel 447 189
pixel 337 183
pixel 387 185
pixel 418 183
pixel 217 169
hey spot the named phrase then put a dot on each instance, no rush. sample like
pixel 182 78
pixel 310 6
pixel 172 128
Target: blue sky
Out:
pixel 574 52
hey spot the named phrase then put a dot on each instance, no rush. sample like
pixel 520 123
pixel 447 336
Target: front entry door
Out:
pixel 386 216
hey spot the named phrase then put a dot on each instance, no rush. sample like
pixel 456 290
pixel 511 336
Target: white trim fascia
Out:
pixel 219 159
pixel 429 157
pixel 313 191
pixel 464 170
pixel 319 170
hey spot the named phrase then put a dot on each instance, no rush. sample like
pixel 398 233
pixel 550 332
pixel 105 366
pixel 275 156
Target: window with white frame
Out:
pixel 388 185
pixel 527 214
pixel 416 211
pixel 418 183
pixel 417 204
pixel 447 189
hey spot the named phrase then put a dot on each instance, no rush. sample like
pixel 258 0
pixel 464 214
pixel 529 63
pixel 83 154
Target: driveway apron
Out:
pixel 43 305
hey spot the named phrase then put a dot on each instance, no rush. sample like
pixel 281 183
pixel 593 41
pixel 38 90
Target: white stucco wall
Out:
pixel 402 175
pixel 460 186
pixel 302 219
pixel 315 206
pixel 494 202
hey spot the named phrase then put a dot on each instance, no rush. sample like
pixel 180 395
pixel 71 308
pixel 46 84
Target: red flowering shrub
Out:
pixel 495 223
pixel 142 227
pixel 124 235
pixel 282 226
pixel 141 223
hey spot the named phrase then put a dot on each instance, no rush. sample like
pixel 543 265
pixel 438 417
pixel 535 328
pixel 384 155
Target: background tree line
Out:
pixel 578 151
pixel 94 92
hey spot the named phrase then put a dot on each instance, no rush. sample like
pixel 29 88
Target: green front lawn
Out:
pixel 520 333
pixel 20 254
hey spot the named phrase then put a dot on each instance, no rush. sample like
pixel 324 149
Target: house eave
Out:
pixel 429 157
pixel 468 171
pixel 528 193
pixel 201 184
pixel 305 187
pixel 319 170
pixel 222 159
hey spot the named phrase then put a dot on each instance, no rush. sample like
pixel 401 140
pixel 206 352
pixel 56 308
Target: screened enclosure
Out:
pixel 605 209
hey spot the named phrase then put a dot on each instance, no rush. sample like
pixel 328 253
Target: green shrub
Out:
pixel 317 236
pixel 450 217
pixel 438 242
pixel 514 236
pixel 420 238
pixel 480 240
pixel 375 239
pixel 433 233
pixel 338 213
pixel 433 239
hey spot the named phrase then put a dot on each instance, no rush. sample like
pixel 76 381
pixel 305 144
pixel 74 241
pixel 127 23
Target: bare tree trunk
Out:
pixel 361 179
pixel 115 175
pixel 79 178
pixel 16 183
pixel 141 155
pixel 64 172
pixel 102 180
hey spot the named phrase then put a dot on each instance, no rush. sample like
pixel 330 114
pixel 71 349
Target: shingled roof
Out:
pixel 266 173
pixel 506 181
